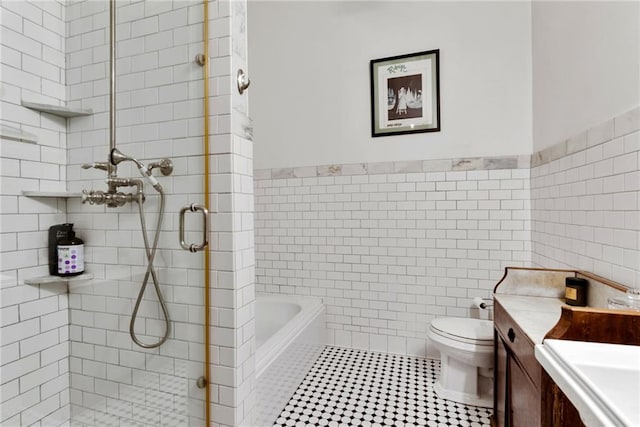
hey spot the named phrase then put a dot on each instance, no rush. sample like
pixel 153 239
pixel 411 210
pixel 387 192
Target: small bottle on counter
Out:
pixel 576 291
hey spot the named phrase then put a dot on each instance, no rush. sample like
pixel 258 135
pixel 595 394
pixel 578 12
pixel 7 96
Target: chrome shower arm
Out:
pixel 116 157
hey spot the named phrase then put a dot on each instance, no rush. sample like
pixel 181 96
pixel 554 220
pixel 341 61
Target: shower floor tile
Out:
pixel 361 388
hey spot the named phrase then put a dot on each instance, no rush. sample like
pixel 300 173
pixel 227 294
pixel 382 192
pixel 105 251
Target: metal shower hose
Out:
pixel 151 271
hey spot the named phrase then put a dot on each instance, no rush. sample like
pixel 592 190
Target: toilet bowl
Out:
pixel 466 355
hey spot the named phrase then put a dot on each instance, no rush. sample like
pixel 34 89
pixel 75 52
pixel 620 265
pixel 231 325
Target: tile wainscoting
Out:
pixel 390 246
pixel 585 194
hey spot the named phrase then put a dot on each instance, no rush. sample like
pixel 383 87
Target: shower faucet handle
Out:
pixel 97 165
pixel 93 197
pixel 105 166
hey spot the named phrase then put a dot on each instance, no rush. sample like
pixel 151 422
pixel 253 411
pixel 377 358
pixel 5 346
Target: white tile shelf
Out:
pixel 50 280
pixel 62 194
pixel 10 132
pixel 57 110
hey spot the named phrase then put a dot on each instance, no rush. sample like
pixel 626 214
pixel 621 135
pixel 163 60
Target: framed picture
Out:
pixel 405 94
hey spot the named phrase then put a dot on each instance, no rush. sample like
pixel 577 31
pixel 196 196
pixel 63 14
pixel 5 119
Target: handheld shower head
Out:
pixel 116 157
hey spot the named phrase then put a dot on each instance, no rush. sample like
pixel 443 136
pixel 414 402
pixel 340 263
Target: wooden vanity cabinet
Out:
pixel 557 409
pixel 517 397
pixel 500 370
pixel 524 394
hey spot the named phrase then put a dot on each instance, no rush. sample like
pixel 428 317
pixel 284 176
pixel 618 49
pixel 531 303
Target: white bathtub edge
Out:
pixel 273 347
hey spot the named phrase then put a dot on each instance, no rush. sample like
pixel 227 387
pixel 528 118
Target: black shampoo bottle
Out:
pixel 56 232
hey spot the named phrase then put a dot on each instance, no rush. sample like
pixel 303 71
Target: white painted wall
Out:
pixel 310 97
pixel 586 66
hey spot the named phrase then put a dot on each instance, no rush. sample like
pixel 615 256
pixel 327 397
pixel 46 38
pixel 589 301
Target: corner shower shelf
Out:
pixel 51 280
pixel 57 110
pixel 9 132
pixel 62 194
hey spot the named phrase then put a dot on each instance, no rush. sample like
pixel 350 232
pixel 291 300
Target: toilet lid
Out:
pixel 464 329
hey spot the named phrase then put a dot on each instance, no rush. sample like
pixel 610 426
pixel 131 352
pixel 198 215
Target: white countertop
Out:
pixel 601 380
pixel 535 315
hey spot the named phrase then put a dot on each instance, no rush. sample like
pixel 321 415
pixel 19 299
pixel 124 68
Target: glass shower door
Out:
pixel 159 112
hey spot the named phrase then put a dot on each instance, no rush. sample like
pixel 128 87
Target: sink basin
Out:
pixel 618 388
pixel 601 380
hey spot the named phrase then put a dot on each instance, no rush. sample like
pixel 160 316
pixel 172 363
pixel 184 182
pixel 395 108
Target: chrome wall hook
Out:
pixel 243 81
pixel 201 59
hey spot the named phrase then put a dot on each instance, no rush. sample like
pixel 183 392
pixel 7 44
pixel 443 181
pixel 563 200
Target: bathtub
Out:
pixel 290 335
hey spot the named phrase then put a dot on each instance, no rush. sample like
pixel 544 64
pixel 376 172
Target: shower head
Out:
pixel 116 157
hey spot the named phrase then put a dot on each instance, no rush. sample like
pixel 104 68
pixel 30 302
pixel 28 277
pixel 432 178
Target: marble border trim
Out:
pixel 411 166
pixel 616 127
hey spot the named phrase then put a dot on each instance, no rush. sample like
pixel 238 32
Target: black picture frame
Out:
pixel 405 94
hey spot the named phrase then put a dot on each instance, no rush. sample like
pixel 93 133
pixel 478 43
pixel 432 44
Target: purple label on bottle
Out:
pixel 70 259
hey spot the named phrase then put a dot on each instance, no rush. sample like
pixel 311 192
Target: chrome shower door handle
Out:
pixel 193 207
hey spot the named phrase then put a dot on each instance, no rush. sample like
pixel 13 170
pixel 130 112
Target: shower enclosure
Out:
pixel 93 373
pixel 158 113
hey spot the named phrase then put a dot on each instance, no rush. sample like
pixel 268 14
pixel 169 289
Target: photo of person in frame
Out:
pixel 404 97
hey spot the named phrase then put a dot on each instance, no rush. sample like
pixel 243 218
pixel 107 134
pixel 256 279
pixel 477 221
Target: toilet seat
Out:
pixel 470 331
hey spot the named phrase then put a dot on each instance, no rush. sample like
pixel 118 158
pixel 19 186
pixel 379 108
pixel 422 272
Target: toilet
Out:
pixel 466 354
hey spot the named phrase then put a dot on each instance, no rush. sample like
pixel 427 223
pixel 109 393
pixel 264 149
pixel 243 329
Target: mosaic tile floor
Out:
pixel 362 388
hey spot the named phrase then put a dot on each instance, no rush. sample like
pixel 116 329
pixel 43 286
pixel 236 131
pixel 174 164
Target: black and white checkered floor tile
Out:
pixel 362 388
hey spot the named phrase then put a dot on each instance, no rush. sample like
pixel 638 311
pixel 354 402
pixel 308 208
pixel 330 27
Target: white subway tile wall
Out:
pixel 239 262
pixel 112 379
pixel 160 109
pixel 35 324
pixel 388 252
pixel 586 202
